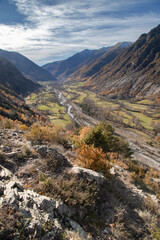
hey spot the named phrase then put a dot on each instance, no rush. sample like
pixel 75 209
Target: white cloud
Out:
pixel 56 31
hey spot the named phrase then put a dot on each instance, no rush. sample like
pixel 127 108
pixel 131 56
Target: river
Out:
pixel 63 101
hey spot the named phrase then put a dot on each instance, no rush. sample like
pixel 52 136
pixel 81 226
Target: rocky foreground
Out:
pixel 43 195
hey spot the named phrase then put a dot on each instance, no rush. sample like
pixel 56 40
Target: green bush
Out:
pixel 102 136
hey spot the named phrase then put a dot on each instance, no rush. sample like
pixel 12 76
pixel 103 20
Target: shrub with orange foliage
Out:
pixel 83 132
pixel 93 158
pixel 157 138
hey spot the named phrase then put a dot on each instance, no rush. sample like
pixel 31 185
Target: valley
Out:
pixel 80 144
pixel 136 121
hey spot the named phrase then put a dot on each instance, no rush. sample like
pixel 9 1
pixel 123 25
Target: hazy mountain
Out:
pixel 12 78
pixel 27 67
pixel 136 71
pixel 63 69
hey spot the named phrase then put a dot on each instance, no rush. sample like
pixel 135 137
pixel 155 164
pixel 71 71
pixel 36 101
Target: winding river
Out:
pixel 63 101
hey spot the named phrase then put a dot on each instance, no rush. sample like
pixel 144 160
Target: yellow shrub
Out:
pixel 23 127
pixel 7 123
pixel 42 134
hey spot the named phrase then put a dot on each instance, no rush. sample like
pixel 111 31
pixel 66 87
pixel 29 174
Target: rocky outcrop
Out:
pixel 5 174
pixel 88 173
pixel 38 211
pixel 44 196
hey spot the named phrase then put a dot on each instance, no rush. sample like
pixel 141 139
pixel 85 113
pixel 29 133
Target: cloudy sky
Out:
pixel 50 30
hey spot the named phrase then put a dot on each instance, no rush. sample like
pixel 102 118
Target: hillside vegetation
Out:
pixel 71 196
pixel 11 78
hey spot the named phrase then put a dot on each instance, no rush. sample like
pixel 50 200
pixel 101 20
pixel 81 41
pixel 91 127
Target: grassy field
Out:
pixel 122 110
pixel 141 113
pixel 47 103
pixel 146 102
pixel 144 120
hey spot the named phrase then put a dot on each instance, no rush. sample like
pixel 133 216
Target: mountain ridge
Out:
pixel 13 79
pixel 134 72
pixel 28 68
pixel 12 85
pixel 63 69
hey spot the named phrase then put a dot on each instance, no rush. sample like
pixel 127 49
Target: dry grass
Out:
pixel 11 224
pixel 46 134
pixel 7 123
pixel 65 188
pixel 148 217
pixel 71 235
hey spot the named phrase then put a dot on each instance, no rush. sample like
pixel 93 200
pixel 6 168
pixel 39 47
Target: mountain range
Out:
pixel 63 69
pixel 125 70
pixel 134 72
pixel 122 71
pixel 28 68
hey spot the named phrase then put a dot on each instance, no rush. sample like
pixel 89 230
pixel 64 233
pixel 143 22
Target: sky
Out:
pixel 51 30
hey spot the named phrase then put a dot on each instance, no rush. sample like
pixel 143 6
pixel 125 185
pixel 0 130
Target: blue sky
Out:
pixel 50 30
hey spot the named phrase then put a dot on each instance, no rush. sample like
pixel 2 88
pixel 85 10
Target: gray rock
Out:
pixel 89 174
pixel 14 134
pixel 47 204
pixel 1 188
pixel 11 154
pixel 6 149
pixel 18 131
pixel 11 196
pixel 5 173
pixel 80 230
pixel 17 185
pixel 42 150
pixel 26 213
pixel 63 210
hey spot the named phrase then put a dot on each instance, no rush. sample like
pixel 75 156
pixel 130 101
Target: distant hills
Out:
pixel 95 64
pixel 63 69
pixel 28 68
